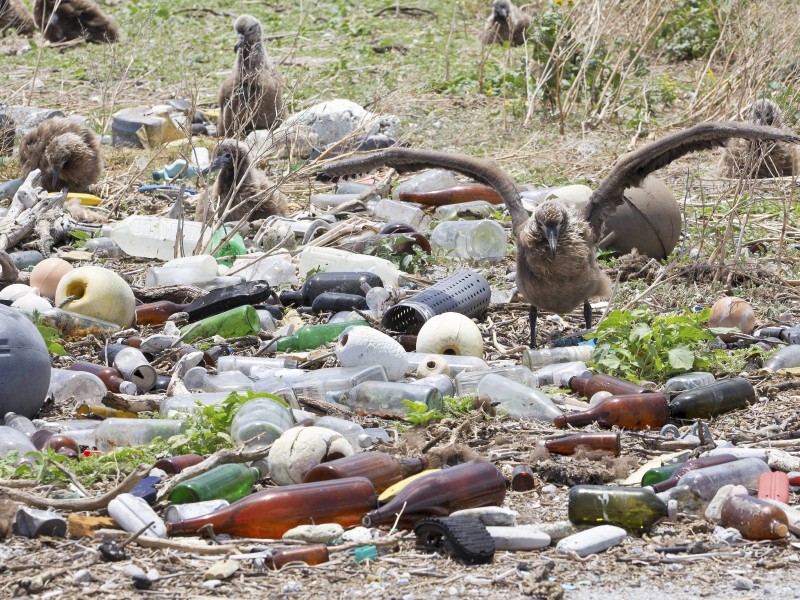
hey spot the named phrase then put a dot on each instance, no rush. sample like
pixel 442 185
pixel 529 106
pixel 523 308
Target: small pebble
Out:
pixel 315 534
pixel 292 587
pixel 549 490
pixel 743 583
pixel 357 534
pixel 133 570
pixel 726 535
pixel 490 515
pixel 222 569
pixel 210 584
pixel 83 576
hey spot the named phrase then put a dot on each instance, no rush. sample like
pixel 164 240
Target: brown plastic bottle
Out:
pixel 108 375
pixel 608 442
pixel 313 554
pixel 382 469
pixel 271 513
pixel 522 479
pixel 175 464
pixel 157 313
pixel 692 465
pixel 634 412
pixel 754 518
pixel 468 485
pixel 45 438
pixel 589 386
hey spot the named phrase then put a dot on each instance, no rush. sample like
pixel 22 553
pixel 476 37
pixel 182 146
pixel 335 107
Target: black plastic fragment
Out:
pixel 227 298
pixel 464 539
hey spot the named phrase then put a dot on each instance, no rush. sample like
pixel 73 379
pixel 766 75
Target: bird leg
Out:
pixel 532 318
pixel 587 314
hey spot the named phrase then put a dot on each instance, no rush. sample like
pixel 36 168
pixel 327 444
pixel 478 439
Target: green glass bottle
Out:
pixel 228 482
pixel 313 336
pixel 229 324
pixel 659 474
pixel 712 400
pixel 635 509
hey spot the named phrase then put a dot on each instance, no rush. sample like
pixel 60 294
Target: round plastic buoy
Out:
pixel 450 333
pixel 649 220
pixel 98 292
pixel 24 365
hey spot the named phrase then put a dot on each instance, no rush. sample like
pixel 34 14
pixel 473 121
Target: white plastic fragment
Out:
pixel 518 538
pixel 132 513
pixel 592 541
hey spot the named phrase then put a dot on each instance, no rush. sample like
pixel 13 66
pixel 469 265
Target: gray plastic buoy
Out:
pixel 24 365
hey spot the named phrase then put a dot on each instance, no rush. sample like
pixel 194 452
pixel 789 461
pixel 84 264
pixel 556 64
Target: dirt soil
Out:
pixel 738 238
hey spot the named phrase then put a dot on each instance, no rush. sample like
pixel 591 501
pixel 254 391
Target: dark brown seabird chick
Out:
pixel 557 267
pixel 63 20
pixel 67 153
pixel 251 97
pixel 14 15
pixel 239 178
pixel 507 23
pixel 755 159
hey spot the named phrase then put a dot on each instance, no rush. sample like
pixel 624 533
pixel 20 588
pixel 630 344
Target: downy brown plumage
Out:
pixel 63 20
pixel 251 97
pixel 239 178
pixel 557 267
pixel 14 15
pixel 507 23
pixel 67 153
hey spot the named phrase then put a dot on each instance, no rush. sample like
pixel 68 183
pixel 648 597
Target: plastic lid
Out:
pixel 672 509
pixel 128 387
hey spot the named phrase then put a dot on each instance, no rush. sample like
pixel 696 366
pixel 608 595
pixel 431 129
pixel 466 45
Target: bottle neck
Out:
pixel 412 466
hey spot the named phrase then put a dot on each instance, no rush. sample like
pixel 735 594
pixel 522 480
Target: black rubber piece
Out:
pixel 227 298
pixel 464 539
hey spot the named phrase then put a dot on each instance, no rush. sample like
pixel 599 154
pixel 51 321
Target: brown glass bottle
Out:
pixel 589 386
pixel 134 341
pixel 468 485
pixel 754 518
pixel 382 469
pixel 45 438
pixel 522 479
pixel 608 442
pixel 271 513
pixel 175 464
pixel 408 342
pixel 634 412
pixel 313 554
pixel 692 465
pixel 108 375
pixel 157 313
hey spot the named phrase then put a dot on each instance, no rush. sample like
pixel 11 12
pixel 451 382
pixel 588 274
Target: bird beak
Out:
pixel 552 238
pixel 56 174
pixel 238 43
pixel 216 165
pixel 500 13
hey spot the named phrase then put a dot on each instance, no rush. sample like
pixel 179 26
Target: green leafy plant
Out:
pixel 459 406
pixel 420 414
pixel 640 345
pixel 386 248
pixel 208 428
pixel 49 335
pixel 690 31
pixel 80 237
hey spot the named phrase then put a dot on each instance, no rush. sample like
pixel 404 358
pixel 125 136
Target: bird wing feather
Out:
pixel 632 168
pixel 405 160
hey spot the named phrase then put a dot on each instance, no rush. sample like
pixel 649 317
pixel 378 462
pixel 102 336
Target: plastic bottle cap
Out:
pixel 128 387
pixel 672 509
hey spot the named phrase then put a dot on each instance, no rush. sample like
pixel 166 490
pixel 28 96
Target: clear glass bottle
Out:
pixel 467 381
pixel 103 247
pixel 20 423
pixel 675 472
pixel 475 240
pixel 426 181
pixel 82 430
pixel 245 363
pixel 712 400
pixel 352 432
pixel 188 403
pixel 468 485
pixel 133 513
pixel 260 422
pixel 382 469
pixel 72 326
pixel 124 433
pixel 704 483
pixel 190 510
pixel 633 411
pixel 786 358
pixel 687 381
pixel 441 382
pixel 534 358
pixel 455 362
pixel 14 440
pixel 635 509
pixel 476 209
pixel 387 397
pixel 559 374
pixel 341 501
pixel 162 276
pixel 229 482
pixel 516 400
pixel 197 379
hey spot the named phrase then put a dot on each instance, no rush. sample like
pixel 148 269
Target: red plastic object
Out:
pixel 774 486
pixel 794 477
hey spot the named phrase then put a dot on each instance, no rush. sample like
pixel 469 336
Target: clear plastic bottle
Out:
pixel 516 400
pixel 125 433
pixel 387 397
pixel 335 260
pixel 476 209
pixel 275 270
pixel 704 483
pixel 687 381
pixel 441 382
pixel 103 247
pixel 161 276
pixel 133 513
pixel 197 379
pixel 427 181
pixel 149 236
pixel 534 358
pixel 245 364
pixel 75 387
pixel 455 362
pixel 467 381
pixel 392 210
pixel 20 423
pixel 260 422
pixel 14 440
pixel 352 432
pixel 190 510
pixel 475 240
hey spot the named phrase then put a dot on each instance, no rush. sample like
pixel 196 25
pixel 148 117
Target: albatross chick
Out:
pixel 507 23
pixel 63 20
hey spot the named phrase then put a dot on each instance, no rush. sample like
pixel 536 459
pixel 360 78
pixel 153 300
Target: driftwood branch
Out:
pixel 202 547
pixel 30 209
pixel 79 504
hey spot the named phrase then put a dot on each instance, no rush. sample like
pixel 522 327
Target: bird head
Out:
pixel 249 30
pixel 766 112
pixel 60 151
pixel 500 9
pixel 228 153
pixel 549 218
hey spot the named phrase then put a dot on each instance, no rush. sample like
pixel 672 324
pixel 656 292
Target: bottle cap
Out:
pixel 672 509
pixel 128 387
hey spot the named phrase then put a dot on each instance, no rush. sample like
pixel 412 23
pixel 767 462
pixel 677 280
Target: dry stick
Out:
pixel 80 504
pixel 449 46
pixel 70 475
pixel 158 543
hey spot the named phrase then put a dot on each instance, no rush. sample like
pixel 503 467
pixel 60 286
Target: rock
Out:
pixel 83 576
pixel 549 490
pixel 557 530
pixel 357 534
pixel 518 538
pixel 133 570
pixel 292 587
pixel 326 533
pixel 743 583
pixel 221 569
pixel 725 535
pixel 491 516
pixel 714 509
pixel 210 584
pixel 592 540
